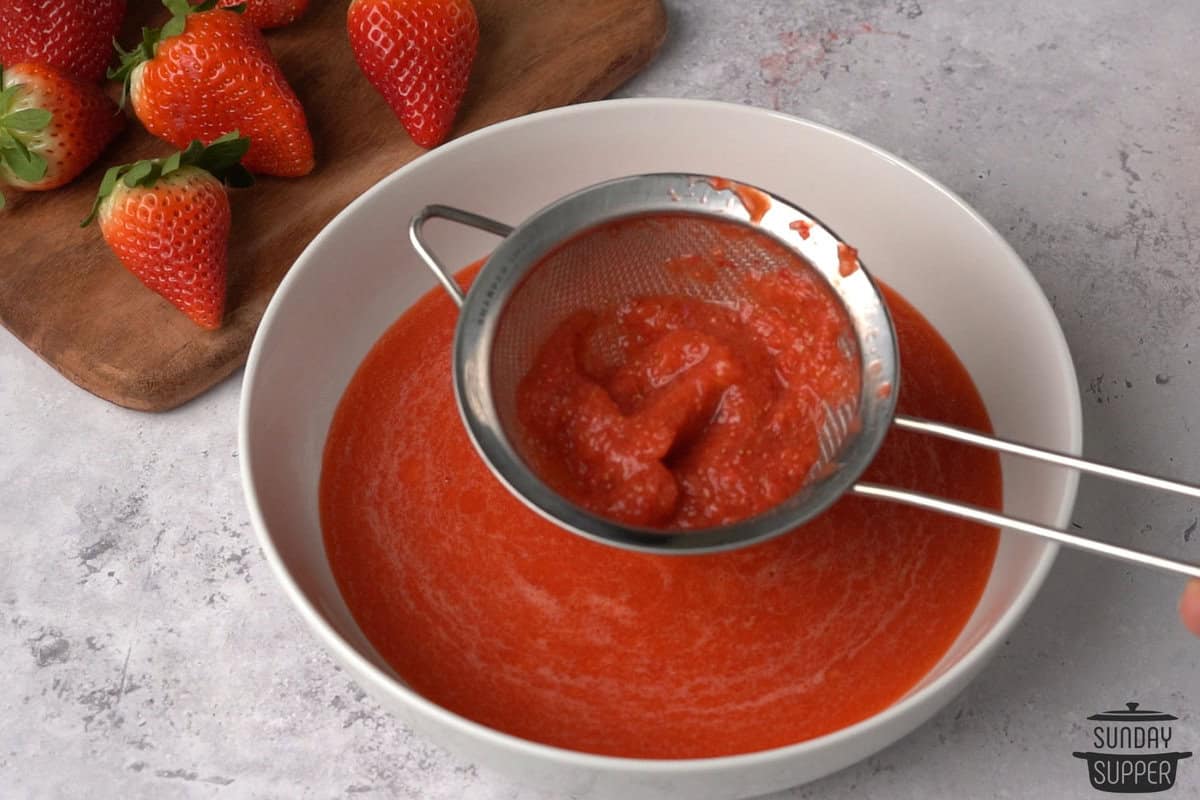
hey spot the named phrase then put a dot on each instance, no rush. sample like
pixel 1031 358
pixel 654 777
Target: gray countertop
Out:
pixel 147 651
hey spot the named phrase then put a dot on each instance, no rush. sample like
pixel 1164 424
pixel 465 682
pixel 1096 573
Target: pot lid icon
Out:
pixel 1131 713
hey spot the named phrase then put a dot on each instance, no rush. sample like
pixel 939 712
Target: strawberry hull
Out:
pixel 53 126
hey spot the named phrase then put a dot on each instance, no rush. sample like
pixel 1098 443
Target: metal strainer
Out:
pixel 566 258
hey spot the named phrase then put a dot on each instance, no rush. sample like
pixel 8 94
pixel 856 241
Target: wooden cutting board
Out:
pixel 65 295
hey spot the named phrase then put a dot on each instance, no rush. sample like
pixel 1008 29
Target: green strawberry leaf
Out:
pixel 107 184
pixel 129 60
pixel 8 96
pixel 37 169
pixel 20 146
pixel 180 9
pixel 139 172
pixel 192 154
pixel 174 27
pixel 238 177
pixel 27 119
pixel 7 140
pixel 222 158
pixel 112 73
pixel 170 163
pixel 222 153
pixel 27 166
pixel 109 181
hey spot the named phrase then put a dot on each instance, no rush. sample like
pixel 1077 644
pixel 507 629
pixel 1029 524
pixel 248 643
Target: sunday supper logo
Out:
pixel 1132 751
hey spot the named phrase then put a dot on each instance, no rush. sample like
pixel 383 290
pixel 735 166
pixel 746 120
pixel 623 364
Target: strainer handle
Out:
pixel 416 235
pixel 967 436
pixel 976 514
pixel 983 515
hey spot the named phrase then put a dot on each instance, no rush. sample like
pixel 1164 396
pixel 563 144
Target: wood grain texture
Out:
pixel 65 295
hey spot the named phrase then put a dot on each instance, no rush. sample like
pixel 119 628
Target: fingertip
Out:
pixel 1189 607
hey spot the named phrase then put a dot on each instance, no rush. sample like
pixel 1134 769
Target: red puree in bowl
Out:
pixel 494 613
pixel 673 412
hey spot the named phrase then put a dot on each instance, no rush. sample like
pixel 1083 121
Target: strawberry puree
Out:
pixel 673 412
pixel 756 201
pixel 802 227
pixel 494 613
pixel 847 260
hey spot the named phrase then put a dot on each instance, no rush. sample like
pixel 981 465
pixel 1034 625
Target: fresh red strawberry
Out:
pixel 52 126
pixel 74 35
pixel 208 72
pixel 269 13
pixel 168 221
pixel 418 54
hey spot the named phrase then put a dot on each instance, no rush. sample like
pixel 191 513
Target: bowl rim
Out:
pixel 975 657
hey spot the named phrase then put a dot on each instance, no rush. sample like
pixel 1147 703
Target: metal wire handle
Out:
pixel 977 514
pixel 416 235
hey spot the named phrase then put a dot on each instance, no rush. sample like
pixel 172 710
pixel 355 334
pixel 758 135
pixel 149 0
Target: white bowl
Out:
pixel 359 274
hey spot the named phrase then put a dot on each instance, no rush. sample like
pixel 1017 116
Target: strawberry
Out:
pixel 418 54
pixel 207 72
pixel 74 35
pixel 52 126
pixel 168 221
pixel 269 13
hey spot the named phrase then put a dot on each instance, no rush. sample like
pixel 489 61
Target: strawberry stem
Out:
pixel 222 158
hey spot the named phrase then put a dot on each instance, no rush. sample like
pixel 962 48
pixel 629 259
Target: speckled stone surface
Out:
pixel 147 652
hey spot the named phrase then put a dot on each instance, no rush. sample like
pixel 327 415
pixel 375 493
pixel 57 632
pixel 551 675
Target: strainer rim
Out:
pixel 528 243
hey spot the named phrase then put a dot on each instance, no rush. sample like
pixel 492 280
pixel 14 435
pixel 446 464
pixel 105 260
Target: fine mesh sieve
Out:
pixel 601 267
pixel 570 257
